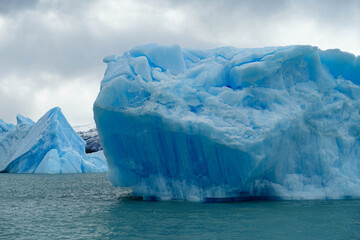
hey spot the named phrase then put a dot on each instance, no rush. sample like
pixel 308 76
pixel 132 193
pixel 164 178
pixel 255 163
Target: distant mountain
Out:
pixel 90 135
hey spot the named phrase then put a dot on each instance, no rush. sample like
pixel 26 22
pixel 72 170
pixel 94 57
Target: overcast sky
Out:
pixel 51 51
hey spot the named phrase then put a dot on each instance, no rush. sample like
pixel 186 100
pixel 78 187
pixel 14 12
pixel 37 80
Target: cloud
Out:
pixel 53 49
pixel 14 6
pixel 262 23
pixel 47 48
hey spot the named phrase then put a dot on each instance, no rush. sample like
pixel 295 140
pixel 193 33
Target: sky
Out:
pixel 51 51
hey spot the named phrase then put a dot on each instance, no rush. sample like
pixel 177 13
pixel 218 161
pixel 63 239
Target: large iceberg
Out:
pixel 48 146
pixel 232 124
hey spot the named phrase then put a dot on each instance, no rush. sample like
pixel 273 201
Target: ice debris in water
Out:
pixel 48 146
pixel 228 123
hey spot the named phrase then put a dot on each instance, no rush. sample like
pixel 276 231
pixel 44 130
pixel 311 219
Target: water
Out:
pixel 86 206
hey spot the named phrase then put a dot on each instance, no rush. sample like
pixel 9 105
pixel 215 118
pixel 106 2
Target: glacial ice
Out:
pixel 48 146
pixel 232 124
pixel 4 127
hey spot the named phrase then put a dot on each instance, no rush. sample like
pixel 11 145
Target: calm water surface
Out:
pixel 86 206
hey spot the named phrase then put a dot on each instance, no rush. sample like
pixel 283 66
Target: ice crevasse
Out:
pixel 229 123
pixel 48 146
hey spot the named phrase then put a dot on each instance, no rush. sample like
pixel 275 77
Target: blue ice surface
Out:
pixel 5 127
pixel 232 124
pixel 48 146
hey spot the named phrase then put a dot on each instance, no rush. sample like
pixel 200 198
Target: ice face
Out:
pixel 96 162
pixel 4 126
pixel 228 123
pixel 48 146
pixel 21 120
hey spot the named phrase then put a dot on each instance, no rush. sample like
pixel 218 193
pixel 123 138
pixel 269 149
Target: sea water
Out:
pixel 86 206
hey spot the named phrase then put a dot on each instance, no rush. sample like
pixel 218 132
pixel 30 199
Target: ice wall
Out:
pixel 48 146
pixel 228 123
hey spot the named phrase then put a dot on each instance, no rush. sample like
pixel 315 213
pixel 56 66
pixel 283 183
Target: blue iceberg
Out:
pixel 232 124
pixel 48 146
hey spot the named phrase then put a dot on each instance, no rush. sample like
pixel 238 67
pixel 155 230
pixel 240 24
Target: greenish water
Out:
pixel 86 206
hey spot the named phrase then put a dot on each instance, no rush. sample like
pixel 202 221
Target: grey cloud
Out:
pixel 13 103
pixel 34 52
pixel 34 47
pixel 236 12
pixel 62 37
pixel 331 12
pixel 14 6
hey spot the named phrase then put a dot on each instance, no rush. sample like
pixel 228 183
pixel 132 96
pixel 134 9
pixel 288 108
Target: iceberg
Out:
pixel 48 146
pixel 232 124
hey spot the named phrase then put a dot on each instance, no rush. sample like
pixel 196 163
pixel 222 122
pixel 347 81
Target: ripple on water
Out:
pixel 86 206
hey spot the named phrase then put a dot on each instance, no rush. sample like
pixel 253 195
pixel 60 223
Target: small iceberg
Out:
pixel 48 146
